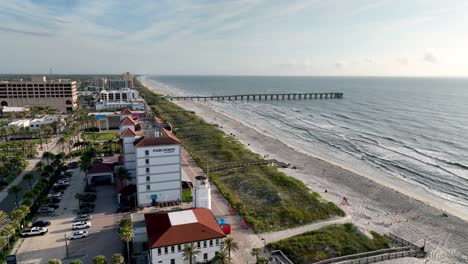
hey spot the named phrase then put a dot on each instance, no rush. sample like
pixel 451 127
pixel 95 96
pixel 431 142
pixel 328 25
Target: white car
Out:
pixel 34 231
pixel 78 235
pixel 81 225
pixel 62 182
pixel 81 218
pixel 55 195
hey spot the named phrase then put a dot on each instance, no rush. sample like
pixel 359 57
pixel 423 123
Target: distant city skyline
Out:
pixel 245 37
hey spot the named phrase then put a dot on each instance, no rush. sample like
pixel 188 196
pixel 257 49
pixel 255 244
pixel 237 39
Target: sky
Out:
pixel 236 37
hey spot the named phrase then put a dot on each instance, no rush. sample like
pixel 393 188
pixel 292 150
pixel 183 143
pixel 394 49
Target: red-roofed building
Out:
pixel 169 232
pixel 101 173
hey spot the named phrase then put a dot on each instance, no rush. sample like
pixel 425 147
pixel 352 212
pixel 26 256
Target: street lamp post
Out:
pixel 66 243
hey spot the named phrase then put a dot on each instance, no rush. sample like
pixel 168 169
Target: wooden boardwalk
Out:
pixel 238 165
pixel 259 97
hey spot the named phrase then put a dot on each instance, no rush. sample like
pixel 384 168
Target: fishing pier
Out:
pixel 259 97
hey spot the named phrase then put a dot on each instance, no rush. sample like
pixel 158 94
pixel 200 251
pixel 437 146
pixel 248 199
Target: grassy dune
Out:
pixel 266 197
pixel 328 242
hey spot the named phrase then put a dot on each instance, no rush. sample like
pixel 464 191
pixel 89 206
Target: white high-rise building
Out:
pixel 202 193
pixel 152 156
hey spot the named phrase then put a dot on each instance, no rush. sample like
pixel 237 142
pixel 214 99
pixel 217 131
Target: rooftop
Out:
pixel 101 168
pixel 180 227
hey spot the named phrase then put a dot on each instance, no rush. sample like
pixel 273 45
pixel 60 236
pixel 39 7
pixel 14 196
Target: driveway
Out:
pixel 103 237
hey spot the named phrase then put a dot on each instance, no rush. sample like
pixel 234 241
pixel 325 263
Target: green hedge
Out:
pixel 267 198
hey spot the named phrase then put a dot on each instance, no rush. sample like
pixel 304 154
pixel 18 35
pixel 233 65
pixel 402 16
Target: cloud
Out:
pixel 25 32
pixel 430 57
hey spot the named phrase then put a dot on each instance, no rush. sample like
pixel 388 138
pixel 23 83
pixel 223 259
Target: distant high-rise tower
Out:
pixel 202 193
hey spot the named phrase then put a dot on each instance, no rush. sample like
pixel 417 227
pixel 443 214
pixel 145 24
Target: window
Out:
pixel 148 178
pixel 159 251
pixel 172 261
pixel 198 244
pixel 217 241
pixel 146 152
pixel 148 187
pixel 179 248
pixel 147 170
pixel 211 242
pixel 205 256
pixel 204 244
pixel 172 249
pixel 147 161
pixel 165 250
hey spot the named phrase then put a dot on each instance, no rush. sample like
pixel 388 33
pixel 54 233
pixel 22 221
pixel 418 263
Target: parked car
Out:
pixel 55 200
pixel 41 224
pixel 81 225
pixel 89 194
pixel 55 195
pixel 73 165
pixel 87 198
pixel 81 218
pixel 34 231
pixel 62 182
pixel 59 188
pixel 54 205
pixel 86 210
pixel 45 210
pixel 78 235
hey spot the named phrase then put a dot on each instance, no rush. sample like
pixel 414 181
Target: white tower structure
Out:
pixel 202 193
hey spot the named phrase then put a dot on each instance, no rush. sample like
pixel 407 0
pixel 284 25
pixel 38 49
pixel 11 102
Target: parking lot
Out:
pixel 103 236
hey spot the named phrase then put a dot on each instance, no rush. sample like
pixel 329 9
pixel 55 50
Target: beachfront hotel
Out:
pixel 152 156
pixel 59 94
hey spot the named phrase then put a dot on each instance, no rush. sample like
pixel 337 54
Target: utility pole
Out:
pixel 66 243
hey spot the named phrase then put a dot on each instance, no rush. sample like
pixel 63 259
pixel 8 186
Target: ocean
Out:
pixel 411 129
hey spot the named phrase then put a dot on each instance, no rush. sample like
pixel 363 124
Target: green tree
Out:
pixel 190 253
pixel 29 177
pixel 15 189
pixel 54 261
pixel 222 257
pixel 99 259
pixel 48 156
pixel 76 261
pixel 126 235
pixel 230 245
pixel 256 253
pixel 117 259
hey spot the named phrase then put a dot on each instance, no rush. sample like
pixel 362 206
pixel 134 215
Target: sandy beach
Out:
pixel 374 203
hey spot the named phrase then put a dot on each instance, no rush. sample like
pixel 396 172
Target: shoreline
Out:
pixel 374 204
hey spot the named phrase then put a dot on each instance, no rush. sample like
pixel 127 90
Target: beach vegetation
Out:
pixel 329 242
pixel 266 198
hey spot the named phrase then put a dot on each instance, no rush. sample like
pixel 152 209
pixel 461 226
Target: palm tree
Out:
pixel 7 232
pixel 76 261
pixel 255 252
pixel 62 142
pixel 54 261
pixel 29 177
pixel 99 259
pixel 230 245
pixel 3 219
pixel 221 257
pixel 40 165
pixel 15 189
pixel 48 155
pixel 117 259
pixel 190 253
pixel 126 235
